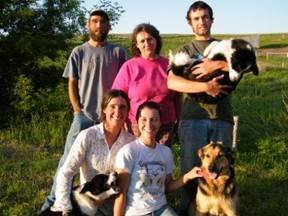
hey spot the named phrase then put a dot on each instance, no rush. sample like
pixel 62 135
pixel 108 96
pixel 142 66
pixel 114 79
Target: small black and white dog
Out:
pixel 238 53
pixel 83 197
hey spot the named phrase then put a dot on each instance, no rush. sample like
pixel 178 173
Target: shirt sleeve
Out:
pixel 122 79
pixel 170 165
pixel 123 57
pixel 125 159
pixel 67 171
pixel 71 69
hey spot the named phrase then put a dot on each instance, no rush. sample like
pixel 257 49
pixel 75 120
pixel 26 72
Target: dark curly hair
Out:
pixel 199 5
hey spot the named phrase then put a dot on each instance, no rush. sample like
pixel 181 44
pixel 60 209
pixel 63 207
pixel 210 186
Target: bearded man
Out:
pixel 91 69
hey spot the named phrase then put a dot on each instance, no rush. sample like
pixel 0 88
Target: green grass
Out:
pixel 274 40
pixel 262 165
pixel 29 153
pixel 30 149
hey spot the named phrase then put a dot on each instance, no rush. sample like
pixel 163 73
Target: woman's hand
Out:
pixel 193 173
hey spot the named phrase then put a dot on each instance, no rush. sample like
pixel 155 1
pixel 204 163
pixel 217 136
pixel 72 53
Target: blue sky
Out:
pixel 233 16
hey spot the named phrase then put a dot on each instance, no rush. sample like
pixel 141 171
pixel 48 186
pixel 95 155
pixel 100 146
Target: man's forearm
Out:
pixel 74 95
pixel 181 84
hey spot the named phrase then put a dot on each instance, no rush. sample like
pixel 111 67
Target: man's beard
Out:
pixel 100 37
pixel 202 32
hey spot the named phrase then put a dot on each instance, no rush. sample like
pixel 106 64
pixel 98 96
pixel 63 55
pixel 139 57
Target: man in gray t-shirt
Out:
pixel 90 70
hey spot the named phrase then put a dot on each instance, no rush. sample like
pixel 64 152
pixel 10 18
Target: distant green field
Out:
pixel 266 41
pixel 30 150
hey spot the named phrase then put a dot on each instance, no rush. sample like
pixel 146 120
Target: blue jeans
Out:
pixel 193 135
pixel 165 210
pixel 80 122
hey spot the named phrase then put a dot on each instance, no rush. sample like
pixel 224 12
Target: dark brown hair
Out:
pixel 199 5
pixel 113 93
pixel 150 105
pixel 99 12
pixel 150 29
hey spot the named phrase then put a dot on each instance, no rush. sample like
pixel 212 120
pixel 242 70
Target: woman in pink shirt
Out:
pixel 144 77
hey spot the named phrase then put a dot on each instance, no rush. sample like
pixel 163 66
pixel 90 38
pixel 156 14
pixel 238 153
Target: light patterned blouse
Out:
pixel 91 154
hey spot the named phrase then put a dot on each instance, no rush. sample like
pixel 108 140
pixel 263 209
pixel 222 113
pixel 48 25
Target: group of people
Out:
pixel 124 114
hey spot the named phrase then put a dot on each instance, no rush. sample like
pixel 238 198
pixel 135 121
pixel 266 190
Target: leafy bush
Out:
pixel 24 101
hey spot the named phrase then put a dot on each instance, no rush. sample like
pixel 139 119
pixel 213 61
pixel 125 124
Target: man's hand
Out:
pixel 202 69
pixel 215 88
pixel 208 66
pixel 74 97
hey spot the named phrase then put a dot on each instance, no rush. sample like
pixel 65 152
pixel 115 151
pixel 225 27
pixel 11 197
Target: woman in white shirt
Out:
pixel 145 170
pixel 95 149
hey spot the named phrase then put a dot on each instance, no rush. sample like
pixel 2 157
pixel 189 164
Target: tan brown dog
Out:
pixel 216 192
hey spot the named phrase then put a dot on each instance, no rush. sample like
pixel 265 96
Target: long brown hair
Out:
pixel 113 93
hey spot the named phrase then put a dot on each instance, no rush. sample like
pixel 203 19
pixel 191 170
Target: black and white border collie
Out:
pixel 238 53
pixel 83 197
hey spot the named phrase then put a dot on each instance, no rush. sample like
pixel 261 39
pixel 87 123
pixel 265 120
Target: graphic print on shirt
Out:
pixel 151 179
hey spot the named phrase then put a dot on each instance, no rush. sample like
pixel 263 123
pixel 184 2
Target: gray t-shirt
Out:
pixel 95 68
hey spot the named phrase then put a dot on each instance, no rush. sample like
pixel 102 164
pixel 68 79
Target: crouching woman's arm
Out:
pixel 120 201
pixel 172 185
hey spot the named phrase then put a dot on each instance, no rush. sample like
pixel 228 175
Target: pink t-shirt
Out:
pixel 144 80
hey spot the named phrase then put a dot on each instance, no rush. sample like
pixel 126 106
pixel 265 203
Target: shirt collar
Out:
pixel 102 134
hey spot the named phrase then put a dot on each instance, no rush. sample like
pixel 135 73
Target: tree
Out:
pixel 62 17
pixel 114 10
pixel 33 43
pixel 36 37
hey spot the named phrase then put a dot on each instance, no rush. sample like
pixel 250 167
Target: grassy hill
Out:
pixel 30 150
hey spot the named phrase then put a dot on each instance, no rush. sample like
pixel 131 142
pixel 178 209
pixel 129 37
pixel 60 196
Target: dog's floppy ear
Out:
pixel 98 180
pixel 201 153
pixel 87 186
pixel 230 154
pixel 255 69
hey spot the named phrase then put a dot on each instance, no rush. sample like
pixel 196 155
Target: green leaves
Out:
pixel 113 9
pixel 23 94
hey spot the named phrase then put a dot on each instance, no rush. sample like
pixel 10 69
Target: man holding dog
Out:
pixel 90 70
pixel 200 123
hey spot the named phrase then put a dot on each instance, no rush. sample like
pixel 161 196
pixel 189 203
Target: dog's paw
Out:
pixel 114 190
pixel 67 213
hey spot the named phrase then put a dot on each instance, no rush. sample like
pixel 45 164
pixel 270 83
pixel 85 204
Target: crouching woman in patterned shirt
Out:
pixel 94 150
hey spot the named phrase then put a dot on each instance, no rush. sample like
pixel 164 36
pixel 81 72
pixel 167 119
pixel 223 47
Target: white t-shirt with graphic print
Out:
pixel 148 169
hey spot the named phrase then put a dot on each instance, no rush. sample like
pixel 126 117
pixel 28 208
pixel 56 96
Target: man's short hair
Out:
pixel 99 12
pixel 199 5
